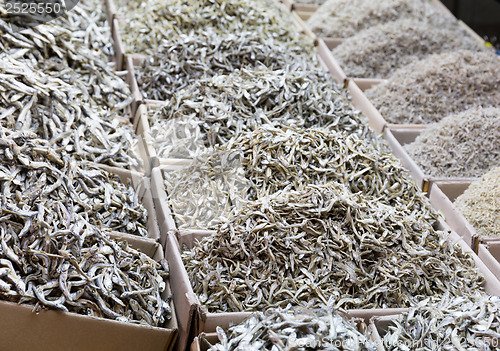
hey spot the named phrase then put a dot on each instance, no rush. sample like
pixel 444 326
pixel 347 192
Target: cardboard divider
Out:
pixel 333 67
pixel 118 45
pixel 142 185
pixel 361 102
pixel 143 132
pixel 366 83
pixel 163 211
pixel 305 8
pixel 110 9
pixel 134 88
pixel 23 329
pixel 332 43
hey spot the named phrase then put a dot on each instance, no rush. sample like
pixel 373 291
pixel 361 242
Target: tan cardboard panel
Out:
pixel 415 171
pixel 307 9
pixel 110 12
pixel 366 83
pixel 143 132
pixel 132 82
pixel 117 45
pixel 302 26
pixel 163 212
pixel 332 43
pixel 287 4
pixel 332 65
pixel 361 102
pixel 22 329
pixel 406 136
pixel 490 254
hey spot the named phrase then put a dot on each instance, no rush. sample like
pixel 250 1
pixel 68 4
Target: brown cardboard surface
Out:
pixel 163 211
pixel 22 329
pixel 415 171
pixel 117 45
pixel 132 82
pixel 141 126
pixel 142 185
pixel 307 8
pixel 110 12
pixel 332 43
pixel 366 83
pixel 489 253
pixel 333 67
pixel 185 300
pixel 361 102
pixel 303 28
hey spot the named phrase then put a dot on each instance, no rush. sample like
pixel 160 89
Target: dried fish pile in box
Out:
pixel 345 18
pixel 480 204
pixel 301 247
pixel 206 192
pixel 278 158
pixel 292 329
pixel 461 323
pixel 182 61
pixel 213 111
pixel 428 90
pixel 378 51
pixel 460 145
pixel 52 256
pixel 57 81
pixel 33 168
pixel 142 33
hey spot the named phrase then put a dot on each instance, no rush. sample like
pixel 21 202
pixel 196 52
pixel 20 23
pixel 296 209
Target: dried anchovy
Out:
pixel 303 246
pixel 180 62
pixel 345 18
pixel 480 204
pixel 461 323
pixel 33 168
pixel 51 256
pixel 292 329
pixel 460 145
pixel 142 34
pixel 205 192
pixel 279 158
pixel 64 113
pixel 213 111
pixel 428 90
pixel 378 51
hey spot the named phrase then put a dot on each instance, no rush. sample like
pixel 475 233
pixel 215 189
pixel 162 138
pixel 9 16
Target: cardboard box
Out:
pixel 361 102
pixel 303 28
pixel 142 185
pixel 333 67
pixel 332 43
pixel 489 253
pixel 22 329
pixel 367 83
pixel 134 87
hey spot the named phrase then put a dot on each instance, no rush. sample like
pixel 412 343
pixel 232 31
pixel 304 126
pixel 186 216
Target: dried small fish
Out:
pixel 301 247
pixel 480 204
pixel 460 145
pixel 461 323
pixel 142 34
pixel 213 111
pixel 52 256
pixel 378 51
pixel 33 168
pixel 428 90
pixel 180 62
pixel 294 329
pixel 345 18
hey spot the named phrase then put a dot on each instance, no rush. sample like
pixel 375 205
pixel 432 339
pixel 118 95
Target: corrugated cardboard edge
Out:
pixel 330 62
pixel 163 211
pixel 407 162
pixel 185 300
pixel 21 329
pixel 142 185
pixel 361 102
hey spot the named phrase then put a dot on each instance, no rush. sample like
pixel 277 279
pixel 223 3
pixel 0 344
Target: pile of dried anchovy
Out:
pixel 460 145
pixel 33 168
pixel 206 192
pixel 378 51
pixel 428 90
pixel 52 256
pixel 345 18
pixel 280 158
pixel 146 25
pixel 181 61
pixel 293 329
pixel 480 204
pixel 460 323
pixel 213 111
pixel 302 247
